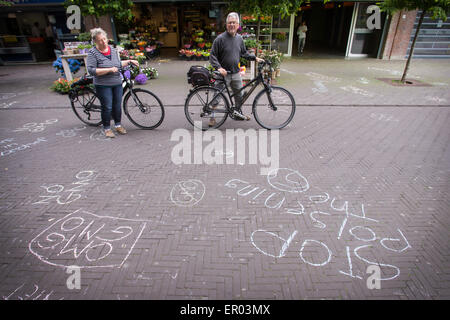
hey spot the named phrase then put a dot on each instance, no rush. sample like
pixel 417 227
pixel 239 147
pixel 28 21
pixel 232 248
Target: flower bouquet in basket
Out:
pixel 62 85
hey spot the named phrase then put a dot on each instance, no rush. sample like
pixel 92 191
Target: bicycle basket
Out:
pixel 84 81
pixel 198 76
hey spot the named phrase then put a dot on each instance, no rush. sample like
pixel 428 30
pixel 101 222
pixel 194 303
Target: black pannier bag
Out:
pixel 198 76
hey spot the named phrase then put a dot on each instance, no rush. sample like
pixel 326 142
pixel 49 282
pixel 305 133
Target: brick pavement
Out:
pixel 378 180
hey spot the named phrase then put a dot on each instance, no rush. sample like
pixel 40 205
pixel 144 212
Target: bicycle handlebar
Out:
pixel 260 66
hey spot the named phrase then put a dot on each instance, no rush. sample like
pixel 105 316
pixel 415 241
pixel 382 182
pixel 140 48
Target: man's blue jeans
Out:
pixel 111 100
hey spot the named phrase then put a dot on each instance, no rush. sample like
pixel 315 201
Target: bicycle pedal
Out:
pixel 240 116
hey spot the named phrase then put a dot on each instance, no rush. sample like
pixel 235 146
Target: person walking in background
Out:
pixel 103 63
pixel 301 32
pixel 227 50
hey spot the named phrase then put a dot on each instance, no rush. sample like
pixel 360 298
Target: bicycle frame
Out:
pixel 253 83
pixel 129 87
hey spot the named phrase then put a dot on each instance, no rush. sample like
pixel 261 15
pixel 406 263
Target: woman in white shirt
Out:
pixel 301 32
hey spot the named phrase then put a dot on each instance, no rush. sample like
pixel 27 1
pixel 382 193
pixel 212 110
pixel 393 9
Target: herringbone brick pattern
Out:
pixel 378 194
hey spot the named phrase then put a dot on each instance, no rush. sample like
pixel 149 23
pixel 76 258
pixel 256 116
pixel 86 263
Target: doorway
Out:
pixel 328 29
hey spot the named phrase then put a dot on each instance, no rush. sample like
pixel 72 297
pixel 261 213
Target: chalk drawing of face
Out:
pixel 289 180
pixel 187 193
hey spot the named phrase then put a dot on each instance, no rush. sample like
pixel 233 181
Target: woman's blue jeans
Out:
pixel 111 100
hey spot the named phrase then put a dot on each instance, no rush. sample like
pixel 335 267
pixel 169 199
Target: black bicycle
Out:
pixel 142 107
pixel 206 107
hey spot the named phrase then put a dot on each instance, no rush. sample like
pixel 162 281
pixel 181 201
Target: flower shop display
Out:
pixel 143 42
pixel 199 45
pixel 252 44
pixel 254 20
pixel 73 64
pixel 62 85
pixel 250 29
pixel 194 54
pixel 133 54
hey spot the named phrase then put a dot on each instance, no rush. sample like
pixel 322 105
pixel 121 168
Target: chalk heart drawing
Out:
pixel 289 180
pixel 187 193
pixel 86 240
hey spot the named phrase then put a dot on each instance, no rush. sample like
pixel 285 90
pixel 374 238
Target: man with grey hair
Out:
pixel 226 52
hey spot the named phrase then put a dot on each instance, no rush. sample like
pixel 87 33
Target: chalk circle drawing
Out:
pixel 99 135
pixel 289 180
pixel 85 239
pixel 353 230
pixel 187 193
pixel 311 251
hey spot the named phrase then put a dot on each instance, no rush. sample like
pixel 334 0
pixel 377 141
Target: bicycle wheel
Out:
pixel 86 106
pixel 276 115
pixel 145 110
pixel 204 113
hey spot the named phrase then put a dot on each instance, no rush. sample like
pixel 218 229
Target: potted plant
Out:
pixel 84 37
pixel 275 59
pixel 189 54
pixel 82 48
pixel 150 72
pixel 62 86
pixel 281 36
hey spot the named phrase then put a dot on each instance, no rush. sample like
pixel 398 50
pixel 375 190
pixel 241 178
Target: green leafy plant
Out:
pixel 281 36
pixel 119 9
pixel 85 37
pixel 252 43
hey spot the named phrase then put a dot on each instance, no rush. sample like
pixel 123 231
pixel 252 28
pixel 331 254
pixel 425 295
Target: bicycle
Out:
pixel 142 107
pixel 273 107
